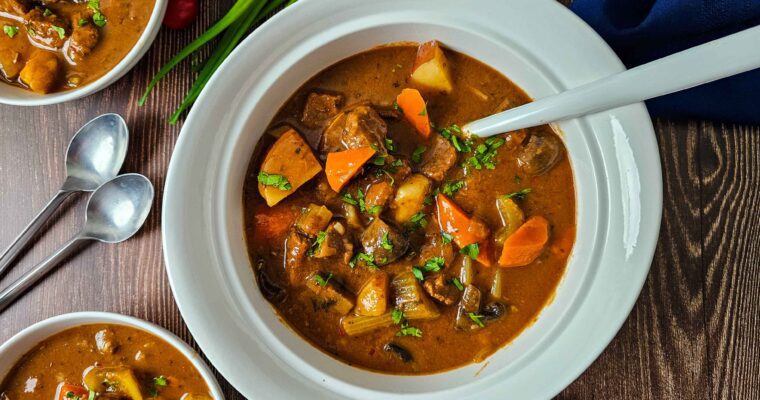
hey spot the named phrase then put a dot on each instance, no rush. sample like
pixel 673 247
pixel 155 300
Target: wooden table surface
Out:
pixel 694 333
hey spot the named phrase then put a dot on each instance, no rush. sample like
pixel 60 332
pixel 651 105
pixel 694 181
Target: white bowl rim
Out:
pixel 22 97
pixel 62 322
pixel 178 232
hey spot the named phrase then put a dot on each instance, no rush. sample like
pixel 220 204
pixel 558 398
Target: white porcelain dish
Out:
pixel 539 45
pixel 14 95
pixel 12 350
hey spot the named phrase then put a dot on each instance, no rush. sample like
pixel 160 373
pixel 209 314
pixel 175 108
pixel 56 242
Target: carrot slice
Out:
pixel 343 165
pixel 453 220
pixel 526 244
pixel 415 110
pixel 485 253
pixel 75 390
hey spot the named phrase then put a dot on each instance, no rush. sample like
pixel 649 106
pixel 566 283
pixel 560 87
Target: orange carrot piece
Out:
pixel 526 244
pixel 485 256
pixel 415 110
pixel 343 165
pixel 453 220
pixel 271 223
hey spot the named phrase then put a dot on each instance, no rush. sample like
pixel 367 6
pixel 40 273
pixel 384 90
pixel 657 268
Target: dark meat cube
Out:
pixel 336 241
pixel 49 31
pixel 84 38
pixel 353 129
pixel 378 194
pixel 319 108
pixel 313 220
pixel 296 247
pixel 439 288
pixel 15 7
pixel 438 159
pixel 383 242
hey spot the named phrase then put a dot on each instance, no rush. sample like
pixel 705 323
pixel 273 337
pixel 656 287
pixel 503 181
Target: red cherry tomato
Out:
pixel 180 13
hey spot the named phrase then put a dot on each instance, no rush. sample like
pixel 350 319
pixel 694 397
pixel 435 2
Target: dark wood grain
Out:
pixel 693 334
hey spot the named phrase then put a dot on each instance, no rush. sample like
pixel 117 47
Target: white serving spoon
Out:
pixel 705 63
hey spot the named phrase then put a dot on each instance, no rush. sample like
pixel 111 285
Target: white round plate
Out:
pixel 538 44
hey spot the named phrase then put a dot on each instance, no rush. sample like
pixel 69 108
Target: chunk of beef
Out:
pixel 105 340
pixel 42 72
pixel 434 245
pixel 330 295
pixel 439 288
pixel 49 31
pixel 383 242
pixel 84 38
pixel 325 194
pixel 359 127
pixel 296 248
pixel 15 7
pixel 319 108
pixel 438 159
pixel 313 220
pixel 378 194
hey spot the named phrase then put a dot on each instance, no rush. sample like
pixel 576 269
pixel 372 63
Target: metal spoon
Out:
pixel 115 212
pixel 95 155
pixel 698 65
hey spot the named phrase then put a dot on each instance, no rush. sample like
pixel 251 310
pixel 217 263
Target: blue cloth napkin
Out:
pixel 644 30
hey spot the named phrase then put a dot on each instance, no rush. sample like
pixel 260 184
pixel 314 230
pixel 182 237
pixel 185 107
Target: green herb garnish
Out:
pixel 278 181
pixel 518 195
pixel 471 250
pixel 317 244
pixel 407 330
pixel 47 13
pixel 10 30
pixel 434 264
pixel 417 272
pixel 418 220
pixel 386 242
pixel 397 316
pixel 347 198
pixel 477 319
pixel 417 154
pixel 447 237
pixel 366 258
pixel 451 187
pixel 83 22
pixel 456 282
pixel 60 31
pixel 452 134
pixel 390 145
pixel 323 281
pixel 485 154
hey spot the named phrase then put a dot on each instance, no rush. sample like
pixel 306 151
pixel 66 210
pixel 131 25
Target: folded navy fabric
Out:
pixel 643 30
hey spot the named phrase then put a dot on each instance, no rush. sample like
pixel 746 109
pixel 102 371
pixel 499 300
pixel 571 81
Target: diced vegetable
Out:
pixel 410 198
pixel 291 158
pixel 330 294
pixel 454 221
pixel 526 244
pixel 469 306
pixel 113 379
pixel 313 220
pixel 41 72
pixel 411 299
pixel 466 273
pixel 358 324
pixel 497 284
pixel 344 165
pixel 511 216
pixel 415 110
pixel 431 69
pixel 372 299
pixel 70 392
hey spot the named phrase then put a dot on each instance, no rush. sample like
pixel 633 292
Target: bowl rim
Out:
pixel 135 54
pixel 183 203
pixel 37 332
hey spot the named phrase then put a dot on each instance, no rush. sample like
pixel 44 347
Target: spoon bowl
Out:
pixel 118 208
pixel 96 153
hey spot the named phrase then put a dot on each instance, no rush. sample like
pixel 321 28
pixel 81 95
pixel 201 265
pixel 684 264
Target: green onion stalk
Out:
pixel 243 16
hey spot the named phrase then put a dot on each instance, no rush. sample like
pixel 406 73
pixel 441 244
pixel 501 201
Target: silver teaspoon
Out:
pixel 115 212
pixel 95 155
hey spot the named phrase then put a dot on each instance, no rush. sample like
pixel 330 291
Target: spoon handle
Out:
pixel 702 64
pixel 29 232
pixel 15 289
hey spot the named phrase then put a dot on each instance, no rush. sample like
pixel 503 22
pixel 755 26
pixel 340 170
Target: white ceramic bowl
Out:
pixel 14 95
pixel 12 350
pixel 538 44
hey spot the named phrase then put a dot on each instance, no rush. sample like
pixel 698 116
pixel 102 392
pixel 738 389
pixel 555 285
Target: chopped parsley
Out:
pixel 97 18
pixel 91 396
pixel 518 195
pixel 317 244
pixel 47 13
pixel 158 382
pixel 452 134
pixel 417 272
pixel 434 264
pixel 423 113
pixel 471 250
pixel 379 160
pixel 360 199
pixel 278 181
pixel 386 242
pixel 10 30
pixel 419 220
pixel 407 330
pixel 417 154
pixel 83 22
pixel 485 154
pixel 457 283
pixel 390 145
pixel 477 319
pixel 322 281
pixel 60 31
pixel 397 107
pixel 447 237
pixel 71 395
pixel 31 30
pixel 397 316
pixel 347 198
pixel 366 258
pixel 451 187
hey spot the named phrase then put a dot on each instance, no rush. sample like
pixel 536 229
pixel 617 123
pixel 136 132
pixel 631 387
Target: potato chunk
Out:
pixel 119 380
pixel 410 198
pixel 42 72
pixel 372 299
pixel 292 159
pixel 431 69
